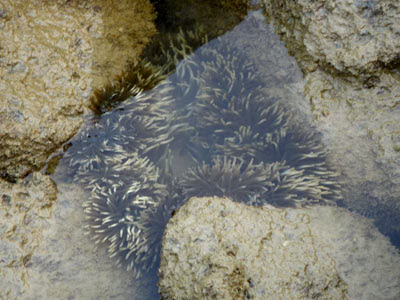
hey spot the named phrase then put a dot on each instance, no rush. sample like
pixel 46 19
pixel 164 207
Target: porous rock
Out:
pixel 53 55
pixel 361 128
pixel 346 36
pixel 348 51
pixel 24 212
pixel 44 252
pixel 214 248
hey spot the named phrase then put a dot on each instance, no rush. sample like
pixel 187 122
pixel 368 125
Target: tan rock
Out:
pixel 25 209
pixel 214 248
pixel 54 54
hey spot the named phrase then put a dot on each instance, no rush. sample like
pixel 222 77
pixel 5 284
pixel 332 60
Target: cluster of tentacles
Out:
pixel 206 129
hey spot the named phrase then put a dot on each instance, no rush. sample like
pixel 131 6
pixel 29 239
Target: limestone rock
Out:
pixel 45 254
pixel 53 55
pixel 24 211
pixel 214 248
pixel 348 52
pixel 349 36
pixel 361 127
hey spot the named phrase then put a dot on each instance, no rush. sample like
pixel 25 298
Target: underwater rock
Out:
pixel 361 126
pixel 48 256
pixel 348 52
pixel 214 248
pixel 54 55
pixel 354 37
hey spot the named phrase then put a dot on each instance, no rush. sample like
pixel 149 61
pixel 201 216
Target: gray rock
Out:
pixel 348 51
pixel 360 126
pixel 347 36
pixel 214 248
pixel 45 253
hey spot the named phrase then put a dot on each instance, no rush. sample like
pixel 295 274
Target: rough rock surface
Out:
pixel 349 36
pixel 44 252
pixel 214 248
pixel 348 52
pixel 361 127
pixel 53 54
pixel 65 265
pixel 25 209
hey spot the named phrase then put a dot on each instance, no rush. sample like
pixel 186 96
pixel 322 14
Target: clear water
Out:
pixel 247 63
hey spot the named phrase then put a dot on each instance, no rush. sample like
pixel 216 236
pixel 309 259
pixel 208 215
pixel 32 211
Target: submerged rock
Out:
pixel 348 52
pixel 214 248
pixel 44 252
pixel 361 127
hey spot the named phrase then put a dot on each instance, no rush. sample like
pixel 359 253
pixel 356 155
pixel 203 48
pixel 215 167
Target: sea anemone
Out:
pixel 256 130
pixel 246 127
pixel 152 224
pixel 144 120
pixel 113 210
pixel 140 124
pixel 139 76
pixel 222 95
pixel 207 129
pixel 255 184
pixel 91 150
pixel 167 50
pixel 230 177
pixel 226 71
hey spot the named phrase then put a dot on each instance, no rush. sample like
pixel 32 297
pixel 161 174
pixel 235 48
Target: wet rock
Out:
pixel 45 253
pixel 354 37
pixel 361 127
pixel 25 209
pixel 214 248
pixel 348 52
pixel 53 55
pixel 65 265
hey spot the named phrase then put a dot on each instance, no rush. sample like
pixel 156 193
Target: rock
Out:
pixel 346 36
pixel 348 52
pixel 24 212
pixel 361 127
pixel 214 248
pixel 45 253
pixel 54 54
